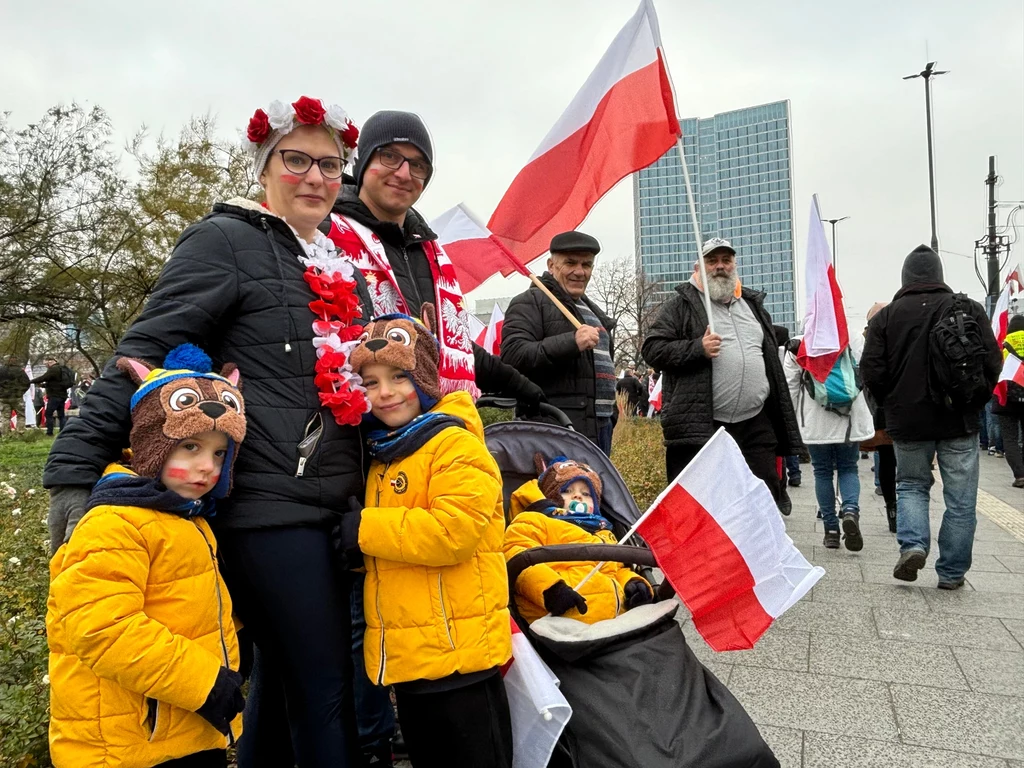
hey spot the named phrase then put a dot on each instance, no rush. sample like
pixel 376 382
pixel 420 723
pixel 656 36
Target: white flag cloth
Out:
pixel 492 339
pixel 655 397
pixel 30 399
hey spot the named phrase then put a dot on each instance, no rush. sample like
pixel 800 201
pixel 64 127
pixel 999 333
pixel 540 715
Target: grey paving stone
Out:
pixel 999 605
pixel 798 524
pixel 889 661
pixel 999 672
pixel 877 595
pixel 844 620
pixel 1016 628
pixel 997 582
pixel 842 571
pixel 777 649
pixel 973 723
pixel 823 751
pixel 945 629
pixel 786 743
pixel 1010 547
pixel 875 573
pixel 1012 563
pixel 811 702
pixel 822 556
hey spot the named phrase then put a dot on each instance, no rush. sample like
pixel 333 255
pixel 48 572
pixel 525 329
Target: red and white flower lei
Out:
pixel 336 307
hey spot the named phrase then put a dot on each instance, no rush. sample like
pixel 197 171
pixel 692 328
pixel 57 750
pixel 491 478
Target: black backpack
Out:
pixel 67 377
pixel 956 359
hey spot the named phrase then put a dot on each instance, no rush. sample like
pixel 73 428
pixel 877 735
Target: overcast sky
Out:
pixel 490 79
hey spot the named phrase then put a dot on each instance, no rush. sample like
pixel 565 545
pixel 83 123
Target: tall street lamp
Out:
pixel 833 222
pixel 928 73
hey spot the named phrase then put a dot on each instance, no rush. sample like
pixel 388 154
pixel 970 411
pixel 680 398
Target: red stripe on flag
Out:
pixel 628 131
pixel 819 367
pixel 707 571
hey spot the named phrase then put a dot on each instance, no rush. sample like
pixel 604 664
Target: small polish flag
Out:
pixel 477 330
pixel 492 338
pixel 475 253
pixel 1013 370
pixel 718 538
pixel 655 398
pixel 14 420
pixel 538 709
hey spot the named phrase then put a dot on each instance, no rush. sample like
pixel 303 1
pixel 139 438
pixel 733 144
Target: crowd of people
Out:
pixel 308 502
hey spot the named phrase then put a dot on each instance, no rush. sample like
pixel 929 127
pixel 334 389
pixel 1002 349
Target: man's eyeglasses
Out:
pixel 299 163
pixel 418 169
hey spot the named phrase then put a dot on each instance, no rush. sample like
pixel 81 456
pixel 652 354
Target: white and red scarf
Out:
pixel 364 249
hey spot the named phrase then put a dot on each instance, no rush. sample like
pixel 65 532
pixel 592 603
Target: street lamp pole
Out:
pixel 928 73
pixel 833 222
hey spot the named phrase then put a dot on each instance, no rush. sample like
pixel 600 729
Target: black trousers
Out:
pixel 289 595
pixel 55 412
pixel 887 472
pixel 756 439
pixel 468 726
pixel 211 758
pixel 1011 425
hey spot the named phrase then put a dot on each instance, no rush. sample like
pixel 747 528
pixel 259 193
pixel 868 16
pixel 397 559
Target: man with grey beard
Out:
pixel 731 378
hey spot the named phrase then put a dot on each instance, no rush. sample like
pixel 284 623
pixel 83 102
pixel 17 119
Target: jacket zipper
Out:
pixel 412 282
pixel 444 613
pixel 310 440
pixel 380 615
pixel 220 617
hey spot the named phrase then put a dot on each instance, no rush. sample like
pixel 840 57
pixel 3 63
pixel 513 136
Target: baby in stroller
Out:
pixel 563 507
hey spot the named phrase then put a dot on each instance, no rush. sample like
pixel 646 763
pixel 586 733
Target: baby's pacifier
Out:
pixel 577 508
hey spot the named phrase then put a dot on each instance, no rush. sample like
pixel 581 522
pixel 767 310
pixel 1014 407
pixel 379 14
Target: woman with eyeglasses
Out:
pixel 262 287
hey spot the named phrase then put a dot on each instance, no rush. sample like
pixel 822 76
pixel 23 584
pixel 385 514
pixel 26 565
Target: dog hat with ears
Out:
pixel 560 473
pixel 181 400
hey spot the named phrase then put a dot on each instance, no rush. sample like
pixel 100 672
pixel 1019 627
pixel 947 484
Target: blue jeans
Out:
pixel 604 435
pixel 374 713
pixel 995 432
pixel 793 467
pixel 958 465
pixel 826 461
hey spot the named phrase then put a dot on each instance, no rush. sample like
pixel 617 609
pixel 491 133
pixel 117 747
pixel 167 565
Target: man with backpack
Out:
pixel 930 361
pixel 57 380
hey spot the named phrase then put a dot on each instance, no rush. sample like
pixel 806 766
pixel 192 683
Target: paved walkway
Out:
pixel 870 672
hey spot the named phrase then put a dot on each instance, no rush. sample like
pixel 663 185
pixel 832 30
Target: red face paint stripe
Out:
pixel 177 474
pixel 289 178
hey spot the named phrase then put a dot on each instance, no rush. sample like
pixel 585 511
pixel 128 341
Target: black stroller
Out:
pixel 639 695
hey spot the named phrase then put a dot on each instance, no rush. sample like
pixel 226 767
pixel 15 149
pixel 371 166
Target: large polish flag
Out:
pixel 622 120
pixel 473 250
pixel 718 538
pixel 826 334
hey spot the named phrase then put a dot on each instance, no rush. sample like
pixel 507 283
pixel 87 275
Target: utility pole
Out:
pixel 928 73
pixel 992 246
pixel 833 222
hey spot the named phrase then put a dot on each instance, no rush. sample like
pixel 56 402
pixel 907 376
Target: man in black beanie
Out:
pixel 903 367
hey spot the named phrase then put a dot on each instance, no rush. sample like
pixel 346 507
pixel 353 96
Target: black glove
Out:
pixel 67 507
pixel 793 345
pixel 638 592
pixel 528 398
pixel 560 597
pixel 224 702
pixel 345 536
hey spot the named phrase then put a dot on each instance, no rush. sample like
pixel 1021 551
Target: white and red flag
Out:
pixel 492 336
pixel 1001 315
pixel 623 119
pixel 826 334
pixel 1013 370
pixel 718 538
pixel 654 403
pixel 14 420
pixel 473 250
pixel 538 709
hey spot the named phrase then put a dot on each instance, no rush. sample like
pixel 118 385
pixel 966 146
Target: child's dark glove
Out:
pixel 224 702
pixel 560 597
pixel 345 536
pixel 638 592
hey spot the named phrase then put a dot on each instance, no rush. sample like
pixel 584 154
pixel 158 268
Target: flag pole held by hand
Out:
pixel 524 270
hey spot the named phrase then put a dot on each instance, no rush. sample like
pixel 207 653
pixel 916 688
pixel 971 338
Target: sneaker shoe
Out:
pixel 878 490
pixel 1019 482
pixel 851 527
pixel 909 564
pixel 831 540
pixel 794 482
pixel 951 583
pixel 991 451
pixel 1000 455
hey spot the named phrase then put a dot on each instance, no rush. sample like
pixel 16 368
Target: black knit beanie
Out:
pixel 391 127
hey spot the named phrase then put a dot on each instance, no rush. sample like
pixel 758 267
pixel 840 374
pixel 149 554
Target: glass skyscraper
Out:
pixel 741 172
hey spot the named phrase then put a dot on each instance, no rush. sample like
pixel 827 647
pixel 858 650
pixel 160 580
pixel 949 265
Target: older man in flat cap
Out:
pixel 572 365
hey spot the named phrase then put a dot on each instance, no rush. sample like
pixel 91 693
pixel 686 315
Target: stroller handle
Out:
pixel 560 553
pixel 508 403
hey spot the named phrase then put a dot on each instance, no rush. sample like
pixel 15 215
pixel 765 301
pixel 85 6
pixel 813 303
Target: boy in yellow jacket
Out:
pixel 143 652
pixel 563 507
pixel 429 533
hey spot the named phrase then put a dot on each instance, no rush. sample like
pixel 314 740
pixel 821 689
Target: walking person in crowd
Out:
pixel 573 366
pixel 430 536
pixel 930 411
pixel 261 286
pixel 1010 412
pixel 881 444
pixel 635 394
pixel 833 439
pixel 57 380
pixel 13 385
pixel 144 658
pixel 731 378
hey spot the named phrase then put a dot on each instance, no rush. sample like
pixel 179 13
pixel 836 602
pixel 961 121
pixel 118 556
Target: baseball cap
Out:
pixel 714 244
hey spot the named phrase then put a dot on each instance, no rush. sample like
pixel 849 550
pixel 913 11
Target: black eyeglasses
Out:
pixel 418 169
pixel 299 163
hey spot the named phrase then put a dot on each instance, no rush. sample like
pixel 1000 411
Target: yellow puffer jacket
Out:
pixel 604 591
pixel 436 595
pixel 139 623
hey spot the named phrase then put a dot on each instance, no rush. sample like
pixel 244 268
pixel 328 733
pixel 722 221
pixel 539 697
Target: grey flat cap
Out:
pixel 574 241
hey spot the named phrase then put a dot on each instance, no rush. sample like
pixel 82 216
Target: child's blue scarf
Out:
pixel 389 445
pixel 123 489
pixel 589 522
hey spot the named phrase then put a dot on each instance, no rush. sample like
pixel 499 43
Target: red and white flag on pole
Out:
pixel 622 120
pixel 492 337
pixel 477 330
pixel 539 710
pixel 14 421
pixel 654 404
pixel 1001 315
pixel 475 253
pixel 1013 371
pixel 30 399
pixel 718 538
pixel 826 334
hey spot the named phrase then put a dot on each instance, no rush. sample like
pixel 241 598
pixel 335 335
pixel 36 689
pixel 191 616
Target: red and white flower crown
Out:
pixel 281 119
